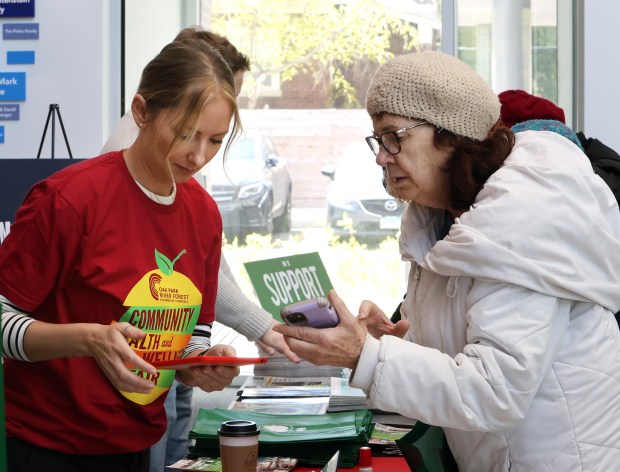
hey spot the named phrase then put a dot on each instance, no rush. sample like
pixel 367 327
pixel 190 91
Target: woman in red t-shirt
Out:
pixel 112 263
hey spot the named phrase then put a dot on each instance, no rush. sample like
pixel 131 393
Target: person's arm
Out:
pixel 199 342
pixel 235 310
pixel 15 322
pixel 26 339
pixel 207 378
pixel 513 337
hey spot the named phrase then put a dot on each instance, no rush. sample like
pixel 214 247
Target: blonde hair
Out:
pixel 186 76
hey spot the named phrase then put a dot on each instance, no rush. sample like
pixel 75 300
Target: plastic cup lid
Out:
pixel 238 428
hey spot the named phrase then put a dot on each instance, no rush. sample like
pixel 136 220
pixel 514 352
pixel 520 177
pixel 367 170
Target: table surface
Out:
pixel 224 398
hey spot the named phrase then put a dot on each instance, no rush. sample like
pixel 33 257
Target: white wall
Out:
pixel 602 71
pixel 78 64
pixel 149 26
pixel 74 67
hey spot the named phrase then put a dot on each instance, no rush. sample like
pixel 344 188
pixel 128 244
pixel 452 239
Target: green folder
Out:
pixel 312 439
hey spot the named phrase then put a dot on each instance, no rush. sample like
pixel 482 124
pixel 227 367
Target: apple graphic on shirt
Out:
pixel 165 304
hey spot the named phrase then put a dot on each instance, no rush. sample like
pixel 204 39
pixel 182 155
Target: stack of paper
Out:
pixel 285 387
pixel 280 365
pixel 343 397
pixel 282 406
pixel 283 395
pixel 312 439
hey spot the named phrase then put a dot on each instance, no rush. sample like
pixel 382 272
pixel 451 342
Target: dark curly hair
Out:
pixel 472 162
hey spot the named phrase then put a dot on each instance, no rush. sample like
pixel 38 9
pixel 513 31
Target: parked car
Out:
pixel 357 203
pixel 253 189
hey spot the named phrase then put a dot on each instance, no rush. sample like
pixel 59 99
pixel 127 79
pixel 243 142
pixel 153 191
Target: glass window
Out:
pixel 311 64
pixel 515 45
pixel 242 150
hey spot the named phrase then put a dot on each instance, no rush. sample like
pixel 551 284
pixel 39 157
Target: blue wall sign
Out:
pixel 9 112
pixel 12 86
pixel 16 9
pixel 20 31
pixel 20 57
pixel 1 134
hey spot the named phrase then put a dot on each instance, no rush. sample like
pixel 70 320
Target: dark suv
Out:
pixel 253 189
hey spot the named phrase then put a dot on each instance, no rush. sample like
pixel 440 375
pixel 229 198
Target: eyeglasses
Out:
pixel 390 140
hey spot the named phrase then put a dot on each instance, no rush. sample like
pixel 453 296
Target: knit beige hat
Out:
pixel 437 88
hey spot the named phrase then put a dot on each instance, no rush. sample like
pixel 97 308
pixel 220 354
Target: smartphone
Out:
pixel 316 312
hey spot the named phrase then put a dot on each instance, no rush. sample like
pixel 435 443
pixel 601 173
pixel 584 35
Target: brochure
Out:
pixel 344 397
pixel 282 406
pixel 285 387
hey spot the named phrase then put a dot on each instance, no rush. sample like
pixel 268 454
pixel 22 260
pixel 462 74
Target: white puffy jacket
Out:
pixel 513 347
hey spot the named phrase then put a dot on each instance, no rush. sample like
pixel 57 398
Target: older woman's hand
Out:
pixel 211 378
pixel 378 323
pixel 340 346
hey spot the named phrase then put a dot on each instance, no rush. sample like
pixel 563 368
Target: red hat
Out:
pixel 519 106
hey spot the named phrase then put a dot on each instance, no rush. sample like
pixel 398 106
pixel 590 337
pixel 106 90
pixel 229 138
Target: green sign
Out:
pixel 284 280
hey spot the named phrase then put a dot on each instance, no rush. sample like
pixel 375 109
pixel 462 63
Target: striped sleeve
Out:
pixel 15 322
pixel 200 340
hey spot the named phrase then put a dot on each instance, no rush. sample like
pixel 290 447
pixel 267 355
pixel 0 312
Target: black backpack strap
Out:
pixel 605 162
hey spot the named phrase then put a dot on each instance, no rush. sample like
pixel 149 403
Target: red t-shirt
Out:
pixel 89 246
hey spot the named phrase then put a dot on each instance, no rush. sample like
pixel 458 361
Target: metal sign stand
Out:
pixel 54 110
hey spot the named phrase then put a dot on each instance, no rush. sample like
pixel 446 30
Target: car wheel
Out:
pixel 267 226
pixel 283 223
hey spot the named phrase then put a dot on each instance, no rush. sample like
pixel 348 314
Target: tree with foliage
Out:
pixel 322 37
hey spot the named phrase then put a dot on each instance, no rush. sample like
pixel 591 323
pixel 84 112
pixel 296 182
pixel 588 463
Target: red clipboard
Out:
pixel 187 362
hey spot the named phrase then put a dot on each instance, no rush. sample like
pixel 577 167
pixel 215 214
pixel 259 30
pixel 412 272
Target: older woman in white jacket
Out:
pixel 507 338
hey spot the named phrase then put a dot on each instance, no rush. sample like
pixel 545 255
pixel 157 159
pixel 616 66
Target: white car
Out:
pixel 357 203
